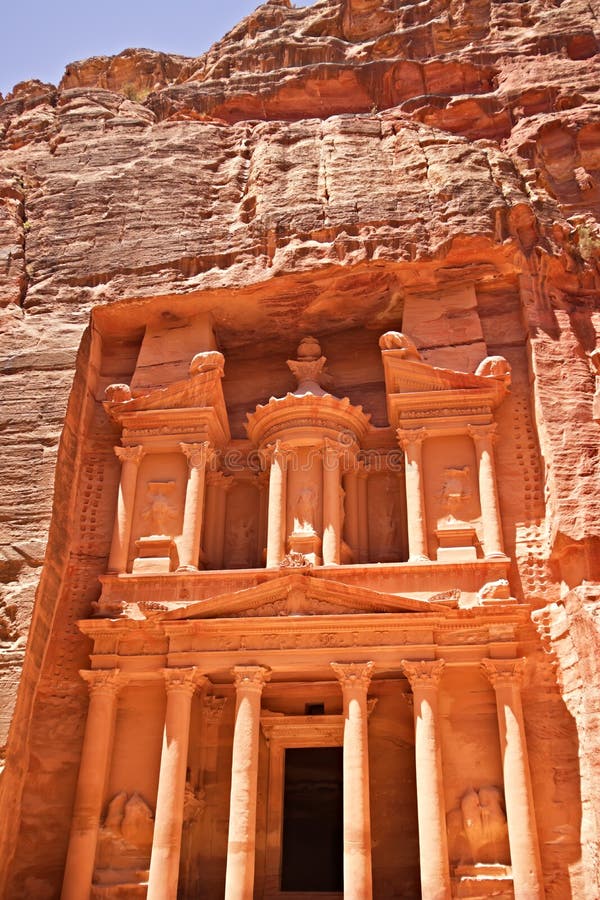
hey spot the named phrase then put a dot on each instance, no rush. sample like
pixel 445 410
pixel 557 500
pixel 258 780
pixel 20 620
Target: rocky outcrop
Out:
pixel 317 168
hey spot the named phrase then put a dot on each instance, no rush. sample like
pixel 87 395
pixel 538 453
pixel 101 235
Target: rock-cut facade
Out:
pixel 301 413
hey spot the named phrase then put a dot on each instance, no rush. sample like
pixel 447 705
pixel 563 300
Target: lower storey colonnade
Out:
pixel 424 676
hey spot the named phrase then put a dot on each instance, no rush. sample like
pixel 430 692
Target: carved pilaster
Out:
pixel 411 441
pixel 189 550
pixel 332 454
pixel 425 677
pixel 130 458
pixel 180 685
pixel 218 486
pixel 103 686
pixel 506 677
pixel 484 438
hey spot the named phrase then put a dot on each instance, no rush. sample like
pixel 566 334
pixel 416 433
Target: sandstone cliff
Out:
pixel 317 166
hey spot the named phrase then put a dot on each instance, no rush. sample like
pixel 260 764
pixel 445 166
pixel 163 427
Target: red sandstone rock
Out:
pixel 348 167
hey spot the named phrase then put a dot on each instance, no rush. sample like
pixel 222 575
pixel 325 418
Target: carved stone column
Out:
pixel 277 518
pixel 241 847
pixel 103 685
pixel 354 679
pixel 166 843
pixel 424 678
pixel 363 514
pixel 263 512
pixel 484 438
pixel 189 550
pixel 331 503
pixel 131 458
pixel 352 512
pixel 411 441
pixel 217 486
pixel 506 676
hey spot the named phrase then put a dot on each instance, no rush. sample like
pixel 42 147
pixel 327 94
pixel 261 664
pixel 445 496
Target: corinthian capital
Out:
pixel 186 680
pixel 353 675
pixel 504 672
pixel 410 437
pixel 484 434
pixel 103 681
pixel 423 673
pixel 250 678
pixel 132 454
pixel 197 454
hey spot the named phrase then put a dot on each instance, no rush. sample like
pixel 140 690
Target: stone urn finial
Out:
pixel 308 368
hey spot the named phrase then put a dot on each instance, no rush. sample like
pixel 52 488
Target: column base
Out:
pixel 419 559
pixel 188 569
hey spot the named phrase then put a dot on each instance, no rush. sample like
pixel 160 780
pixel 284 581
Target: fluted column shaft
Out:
pixel 331 504
pixel 411 441
pixel 93 771
pixel 189 548
pixel 424 678
pixel 277 518
pixel 241 847
pixel 166 842
pixel 130 458
pixel 358 880
pixel 484 437
pixel 506 677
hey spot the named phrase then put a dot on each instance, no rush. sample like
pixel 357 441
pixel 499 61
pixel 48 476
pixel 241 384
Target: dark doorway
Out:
pixel 312 820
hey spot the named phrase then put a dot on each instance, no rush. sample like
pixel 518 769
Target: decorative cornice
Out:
pixel 423 673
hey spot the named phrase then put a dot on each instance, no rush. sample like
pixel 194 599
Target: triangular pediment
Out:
pixel 300 595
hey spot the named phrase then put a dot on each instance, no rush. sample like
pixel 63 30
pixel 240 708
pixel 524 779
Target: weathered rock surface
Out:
pixel 318 168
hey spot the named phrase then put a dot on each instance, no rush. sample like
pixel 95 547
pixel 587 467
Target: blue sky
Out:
pixel 39 37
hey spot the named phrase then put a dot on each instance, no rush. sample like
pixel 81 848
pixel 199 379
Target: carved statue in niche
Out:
pixel 241 545
pixel 160 514
pixel 305 511
pixel 125 838
pixel 385 535
pixel 455 492
pixel 477 829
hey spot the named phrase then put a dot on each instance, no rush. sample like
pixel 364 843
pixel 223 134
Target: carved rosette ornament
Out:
pixel 423 674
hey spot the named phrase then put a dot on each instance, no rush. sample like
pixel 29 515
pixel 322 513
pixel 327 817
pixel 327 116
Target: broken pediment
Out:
pixel 300 595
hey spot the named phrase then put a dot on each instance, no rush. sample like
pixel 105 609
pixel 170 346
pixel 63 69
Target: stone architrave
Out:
pixel 506 677
pixel 130 458
pixel 331 503
pixel 484 438
pixel 411 441
pixel 103 685
pixel 189 550
pixel 424 677
pixel 358 879
pixel 277 517
pixel 241 847
pixel 181 685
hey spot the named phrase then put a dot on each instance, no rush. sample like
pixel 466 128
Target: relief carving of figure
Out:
pixel 477 829
pixel 241 544
pixel 160 514
pixel 305 511
pixel 455 491
pixel 125 838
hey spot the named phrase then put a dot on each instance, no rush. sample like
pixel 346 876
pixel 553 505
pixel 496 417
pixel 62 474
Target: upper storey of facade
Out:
pixel 407 502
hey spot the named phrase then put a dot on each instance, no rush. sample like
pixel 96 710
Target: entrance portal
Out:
pixel 312 852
